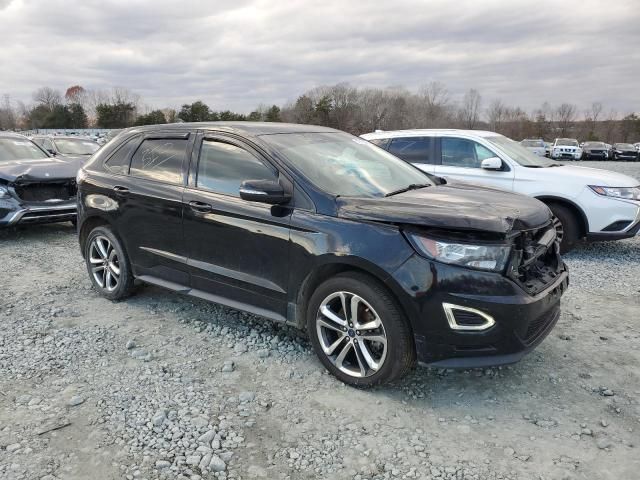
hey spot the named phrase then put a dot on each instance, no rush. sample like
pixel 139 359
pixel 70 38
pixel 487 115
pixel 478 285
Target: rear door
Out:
pixel 419 151
pixel 150 204
pixel 238 251
pixel 461 158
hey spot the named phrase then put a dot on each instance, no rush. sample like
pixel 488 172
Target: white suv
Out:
pixel 587 203
pixel 566 149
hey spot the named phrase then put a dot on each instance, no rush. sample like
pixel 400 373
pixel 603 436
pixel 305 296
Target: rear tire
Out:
pixel 371 346
pixel 567 226
pixel 108 265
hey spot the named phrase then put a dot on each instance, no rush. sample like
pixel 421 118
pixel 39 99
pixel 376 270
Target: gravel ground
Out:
pixel 163 386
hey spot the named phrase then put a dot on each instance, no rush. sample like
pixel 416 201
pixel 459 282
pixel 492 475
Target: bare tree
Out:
pixel 496 115
pixel 470 109
pixel 8 120
pixel 47 96
pixel 566 115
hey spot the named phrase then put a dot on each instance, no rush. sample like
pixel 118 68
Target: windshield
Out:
pixel 19 149
pixel 344 165
pixel 567 142
pixel 518 153
pixel 73 146
pixel 594 145
pixel 625 145
pixel 532 143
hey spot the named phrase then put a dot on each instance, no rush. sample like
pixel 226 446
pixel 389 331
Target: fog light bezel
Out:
pixel 454 325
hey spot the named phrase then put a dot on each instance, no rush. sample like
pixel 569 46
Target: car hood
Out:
pixel 456 206
pixel 40 169
pixel 590 176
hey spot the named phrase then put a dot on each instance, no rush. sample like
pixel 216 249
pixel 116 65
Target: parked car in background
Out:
pixel 381 263
pixel 587 203
pixel 595 151
pixel 67 146
pixel 34 187
pixel 536 146
pixel 624 151
pixel 566 149
pixel 609 150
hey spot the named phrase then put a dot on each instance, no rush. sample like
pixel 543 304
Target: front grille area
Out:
pixel 536 262
pixel 47 191
pixel 539 325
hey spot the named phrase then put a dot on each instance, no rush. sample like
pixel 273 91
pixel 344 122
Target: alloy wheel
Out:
pixel 105 264
pixel 351 334
pixel 557 224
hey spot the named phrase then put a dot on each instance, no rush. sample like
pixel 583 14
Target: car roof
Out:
pixel 247 128
pixel 427 132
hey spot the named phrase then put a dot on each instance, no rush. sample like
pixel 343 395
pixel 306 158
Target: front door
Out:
pixel 461 159
pixel 238 251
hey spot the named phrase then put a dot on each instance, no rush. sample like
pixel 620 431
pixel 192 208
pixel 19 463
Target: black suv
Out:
pixel 381 263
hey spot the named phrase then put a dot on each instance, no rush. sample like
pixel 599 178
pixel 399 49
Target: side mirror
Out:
pixel 493 163
pixel 263 191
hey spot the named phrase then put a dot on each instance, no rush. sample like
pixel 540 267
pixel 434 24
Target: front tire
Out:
pixel 359 332
pixel 566 225
pixel 107 263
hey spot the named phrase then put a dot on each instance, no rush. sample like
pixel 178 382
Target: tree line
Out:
pixel 342 106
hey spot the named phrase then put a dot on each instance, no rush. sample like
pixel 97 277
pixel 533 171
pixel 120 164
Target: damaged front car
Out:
pixel 34 187
pixel 381 263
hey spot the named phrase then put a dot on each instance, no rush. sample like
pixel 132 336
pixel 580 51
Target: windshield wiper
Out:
pixel 413 186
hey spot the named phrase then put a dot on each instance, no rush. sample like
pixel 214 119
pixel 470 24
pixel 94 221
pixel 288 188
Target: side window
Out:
pixel 159 159
pixel 223 167
pixel 460 152
pixel 118 162
pixel 482 153
pixel 412 149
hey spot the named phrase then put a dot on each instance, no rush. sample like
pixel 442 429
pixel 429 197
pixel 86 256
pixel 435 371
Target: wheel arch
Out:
pixel 333 267
pixel 583 221
pixel 87 226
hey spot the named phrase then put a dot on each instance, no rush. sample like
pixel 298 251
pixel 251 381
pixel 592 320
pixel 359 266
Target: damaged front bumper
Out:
pixel 63 212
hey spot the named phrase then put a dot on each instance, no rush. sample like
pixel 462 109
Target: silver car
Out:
pixel 535 145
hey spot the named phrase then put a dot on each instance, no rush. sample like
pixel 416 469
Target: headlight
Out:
pixel 4 192
pixel 628 193
pixel 491 257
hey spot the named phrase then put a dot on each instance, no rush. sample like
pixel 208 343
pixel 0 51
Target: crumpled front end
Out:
pixel 38 201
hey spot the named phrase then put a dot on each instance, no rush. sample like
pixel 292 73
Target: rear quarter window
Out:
pixel 118 162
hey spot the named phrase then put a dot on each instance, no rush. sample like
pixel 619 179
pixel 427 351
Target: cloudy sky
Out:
pixel 236 54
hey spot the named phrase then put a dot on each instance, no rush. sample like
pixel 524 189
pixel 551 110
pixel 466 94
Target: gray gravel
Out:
pixel 166 387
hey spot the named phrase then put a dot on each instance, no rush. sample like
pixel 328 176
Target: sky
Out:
pixel 237 54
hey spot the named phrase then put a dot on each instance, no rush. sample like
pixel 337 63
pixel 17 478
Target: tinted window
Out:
pixel 412 149
pixel 223 167
pixel 459 152
pixel 119 161
pixel 159 159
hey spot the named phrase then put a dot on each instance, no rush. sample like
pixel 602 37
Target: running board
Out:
pixel 192 292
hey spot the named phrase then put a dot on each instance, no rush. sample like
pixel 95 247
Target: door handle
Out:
pixel 120 189
pixel 200 206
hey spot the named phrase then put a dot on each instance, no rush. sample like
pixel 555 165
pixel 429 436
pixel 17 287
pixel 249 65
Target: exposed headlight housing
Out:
pixel 491 257
pixel 627 193
pixel 4 191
